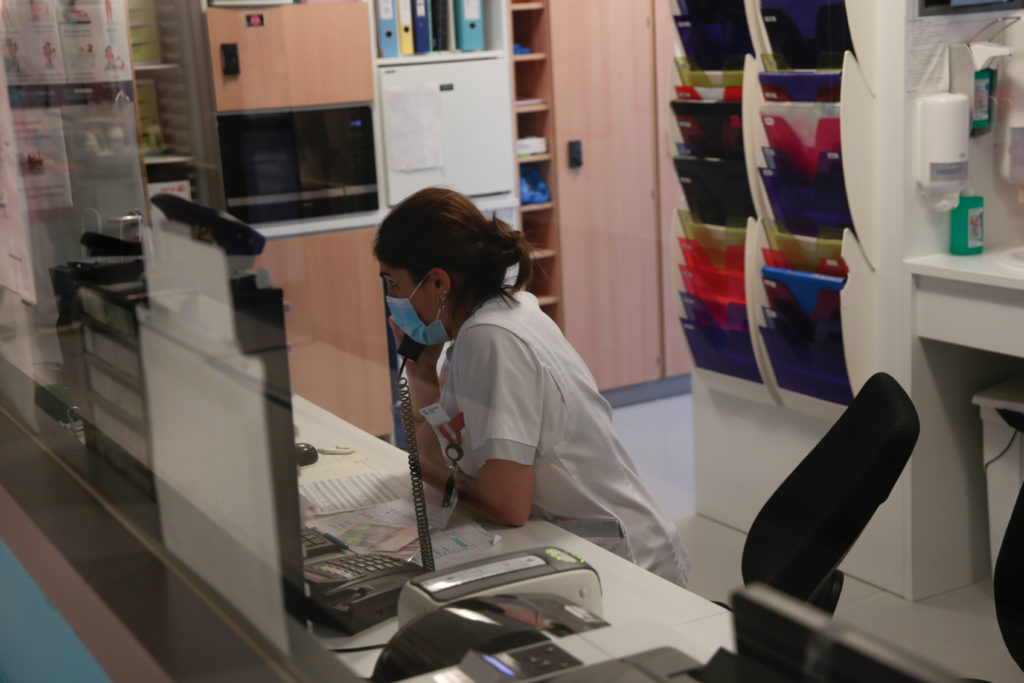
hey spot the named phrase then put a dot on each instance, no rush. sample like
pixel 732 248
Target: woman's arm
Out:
pixel 503 492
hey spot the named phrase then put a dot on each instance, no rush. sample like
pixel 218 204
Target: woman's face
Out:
pixel 426 299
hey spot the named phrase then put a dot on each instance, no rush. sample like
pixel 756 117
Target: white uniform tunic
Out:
pixel 517 390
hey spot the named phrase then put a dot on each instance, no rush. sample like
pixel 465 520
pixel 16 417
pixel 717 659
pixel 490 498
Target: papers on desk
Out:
pixel 350 493
pixel 463 536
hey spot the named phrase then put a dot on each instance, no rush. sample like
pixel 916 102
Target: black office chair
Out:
pixel 812 520
pixel 1007 586
pixel 1007 589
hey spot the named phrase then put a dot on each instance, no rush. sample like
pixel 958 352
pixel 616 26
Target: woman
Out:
pixel 535 435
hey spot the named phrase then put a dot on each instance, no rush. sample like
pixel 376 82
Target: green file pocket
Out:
pixel 821 254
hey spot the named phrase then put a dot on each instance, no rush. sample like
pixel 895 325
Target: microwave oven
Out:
pixel 295 164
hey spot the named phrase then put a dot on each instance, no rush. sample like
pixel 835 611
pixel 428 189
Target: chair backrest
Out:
pixel 1008 583
pixel 811 521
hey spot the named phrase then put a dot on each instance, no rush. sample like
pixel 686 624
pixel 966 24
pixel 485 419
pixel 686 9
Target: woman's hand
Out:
pixel 424 367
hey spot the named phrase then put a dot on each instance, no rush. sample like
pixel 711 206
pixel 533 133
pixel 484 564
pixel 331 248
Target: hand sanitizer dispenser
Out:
pixel 943 133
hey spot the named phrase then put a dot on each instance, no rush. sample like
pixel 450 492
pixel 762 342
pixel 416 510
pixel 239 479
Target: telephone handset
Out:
pixel 410 349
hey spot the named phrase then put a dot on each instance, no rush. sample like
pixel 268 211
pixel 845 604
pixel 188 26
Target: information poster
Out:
pixel 31 40
pixel 94 36
pixel 15 257
pixel 42 158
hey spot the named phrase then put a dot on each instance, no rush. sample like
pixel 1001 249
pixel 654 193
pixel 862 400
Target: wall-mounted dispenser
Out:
pixel 972 70
pixel 943 135
pixel 1010 113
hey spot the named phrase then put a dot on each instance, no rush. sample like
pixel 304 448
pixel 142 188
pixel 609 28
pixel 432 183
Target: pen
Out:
pixel 335 540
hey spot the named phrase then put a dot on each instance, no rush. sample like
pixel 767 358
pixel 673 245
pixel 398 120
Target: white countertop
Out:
pixel 630 594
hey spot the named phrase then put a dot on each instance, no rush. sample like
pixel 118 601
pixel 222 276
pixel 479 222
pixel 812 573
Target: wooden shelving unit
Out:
pixel 531 76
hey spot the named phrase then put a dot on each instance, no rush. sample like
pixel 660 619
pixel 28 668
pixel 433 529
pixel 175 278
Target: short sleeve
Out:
pixel 499 385
pixel 503 449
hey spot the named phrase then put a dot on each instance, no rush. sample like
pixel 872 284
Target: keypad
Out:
pixel 357 566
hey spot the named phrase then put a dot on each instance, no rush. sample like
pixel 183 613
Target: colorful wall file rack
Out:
pixel 806 34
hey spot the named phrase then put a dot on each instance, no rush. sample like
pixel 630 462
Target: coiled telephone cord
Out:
pixel 419 501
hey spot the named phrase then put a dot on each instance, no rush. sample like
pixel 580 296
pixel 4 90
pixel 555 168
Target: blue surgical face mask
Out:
pixel 409 321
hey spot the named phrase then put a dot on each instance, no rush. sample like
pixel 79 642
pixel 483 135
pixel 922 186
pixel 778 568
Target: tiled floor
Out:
pixel 956 630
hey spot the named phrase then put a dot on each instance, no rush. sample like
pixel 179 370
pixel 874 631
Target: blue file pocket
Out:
pixel 807 34
pixel 710 130
pixel 805 287
pixel 801 86
pixel 729 352
pixel 717 192
pixel 715 46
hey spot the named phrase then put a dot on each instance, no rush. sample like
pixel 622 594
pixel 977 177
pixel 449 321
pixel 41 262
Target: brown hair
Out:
pixel 439 228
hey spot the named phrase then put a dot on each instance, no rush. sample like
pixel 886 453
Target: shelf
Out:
pixel 533 108
pixel 532 158
pixel 547 300
pixel 152 160
pixel 155 66
pixel 435 57
pixel 532 57
pixel 526 6
pixel 538 254
pixel 1001 267
pixel 528 208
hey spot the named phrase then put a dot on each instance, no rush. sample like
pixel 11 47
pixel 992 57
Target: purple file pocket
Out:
pixel 714 11
pixel 803 132
pixel 829 170
pixel 715 45
pixel 818 371
pixel 806 210
pixel 801 86
pixel 800 329
pixel 710 129
pixel 725 314
pixel 807 34
pixel 729 352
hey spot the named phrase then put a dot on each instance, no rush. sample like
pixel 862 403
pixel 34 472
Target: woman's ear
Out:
pixel 439 281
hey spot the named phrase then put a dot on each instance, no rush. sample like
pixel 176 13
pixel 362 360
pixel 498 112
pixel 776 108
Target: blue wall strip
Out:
pixel 36 644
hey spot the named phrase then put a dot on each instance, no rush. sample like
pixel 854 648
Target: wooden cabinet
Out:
pixel 534 116
pixel 292 55
pixel 335 324
pixel 602 62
